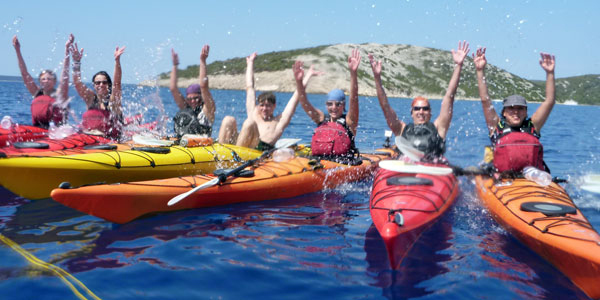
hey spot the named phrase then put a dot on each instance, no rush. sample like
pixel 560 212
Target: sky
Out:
pixel 513 31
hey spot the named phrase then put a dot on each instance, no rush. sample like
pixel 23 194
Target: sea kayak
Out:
pixel 405 202
pixel 547 221
pixel 21 133
pixel 35 177
pixel 121 203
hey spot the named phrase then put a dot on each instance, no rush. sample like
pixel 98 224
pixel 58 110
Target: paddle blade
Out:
pixel 592 188
pixel 182 196
pixel 402 167
pixel 284 143
pixel 150 141
pixel 408 150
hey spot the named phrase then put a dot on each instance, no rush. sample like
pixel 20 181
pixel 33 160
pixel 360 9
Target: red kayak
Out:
pixel 21 133
pixel 405 202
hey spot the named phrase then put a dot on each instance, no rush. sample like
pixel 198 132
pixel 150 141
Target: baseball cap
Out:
pixel 514 100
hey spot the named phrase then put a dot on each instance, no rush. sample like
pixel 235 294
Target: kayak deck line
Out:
pixel 514 193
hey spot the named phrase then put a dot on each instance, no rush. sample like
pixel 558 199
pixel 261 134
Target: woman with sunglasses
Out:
pixel 424 135
pixel 334 135
pixel 512 128
pixel 104 113
pixel 49 104
pixel 197 110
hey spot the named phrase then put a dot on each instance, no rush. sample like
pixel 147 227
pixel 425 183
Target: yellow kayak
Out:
pixel 35 177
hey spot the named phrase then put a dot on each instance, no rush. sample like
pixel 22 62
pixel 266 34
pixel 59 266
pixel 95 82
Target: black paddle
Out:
pixel 282 143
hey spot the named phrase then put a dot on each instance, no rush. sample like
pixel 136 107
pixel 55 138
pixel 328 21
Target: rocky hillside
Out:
pixel 408 71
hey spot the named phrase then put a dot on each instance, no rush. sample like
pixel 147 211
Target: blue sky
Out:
pixel 513 31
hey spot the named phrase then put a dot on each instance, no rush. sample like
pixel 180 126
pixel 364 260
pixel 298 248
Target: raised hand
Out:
pixel 76 53
pixel 375 65
pixel 119 52
pixel 479 59
pixel 354 60
pixel 314 72
pixel 298 71
pixel 174 57
pixel 462 51
pixel 204 53
pixel 250 59
pixel 70 41
pixel 547 62
pixel 16 43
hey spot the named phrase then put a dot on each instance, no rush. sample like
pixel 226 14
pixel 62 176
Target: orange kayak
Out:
pixel 547 221
pixel 121 203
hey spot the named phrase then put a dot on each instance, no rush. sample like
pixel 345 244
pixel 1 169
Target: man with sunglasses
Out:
pixel 334 135
pixel 424 135
pixel 262 128
pixel 197 110
pixel 514 136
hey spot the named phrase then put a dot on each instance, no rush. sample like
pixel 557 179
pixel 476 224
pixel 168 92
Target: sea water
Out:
pixel 320 245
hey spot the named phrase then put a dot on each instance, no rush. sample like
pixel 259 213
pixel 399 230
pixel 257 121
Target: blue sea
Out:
pixel 316 246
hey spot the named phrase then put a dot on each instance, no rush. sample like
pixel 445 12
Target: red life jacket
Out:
pixel 332 139
pixel 99 119
pixel 515 150
pixel 43 112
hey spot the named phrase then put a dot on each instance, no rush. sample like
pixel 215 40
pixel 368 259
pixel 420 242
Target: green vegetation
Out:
pixel 424 72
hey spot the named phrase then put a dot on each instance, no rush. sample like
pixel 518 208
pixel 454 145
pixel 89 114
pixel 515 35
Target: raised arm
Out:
pixel 290 108
pixel 390 115
pixel 442 123
pixel 177 96
pixel 115 97
pixel 84 92
pixel 63 86
pixel 27 79
pixel 543 112
pixel 352 116
pixel 250 91
pixel 491 117
pixel 209 103
pixel 314 113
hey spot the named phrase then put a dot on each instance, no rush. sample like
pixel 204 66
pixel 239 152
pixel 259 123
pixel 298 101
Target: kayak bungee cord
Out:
pixel 516 193
pixel 417 193
pixel 61 273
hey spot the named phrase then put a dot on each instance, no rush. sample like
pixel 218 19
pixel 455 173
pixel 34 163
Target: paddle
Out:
pixel 407 149
pixel 416 155
pixel 282 143
pixel 591 183
pixel 150 141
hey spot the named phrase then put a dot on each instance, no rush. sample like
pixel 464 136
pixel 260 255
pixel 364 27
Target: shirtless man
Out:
pixel 262 129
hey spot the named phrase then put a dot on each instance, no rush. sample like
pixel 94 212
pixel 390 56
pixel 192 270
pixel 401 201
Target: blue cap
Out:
pixel 336 95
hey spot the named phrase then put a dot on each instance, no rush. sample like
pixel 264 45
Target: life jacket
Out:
pixel 517 147
pixel 333 138
pixel 191 121
pixel 43 111
pixel 100 120
pixel 425 138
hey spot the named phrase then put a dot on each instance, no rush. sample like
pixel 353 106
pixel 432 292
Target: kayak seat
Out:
pixel 31 145
pixel 100 147
pixel 408 180
pixel 548 209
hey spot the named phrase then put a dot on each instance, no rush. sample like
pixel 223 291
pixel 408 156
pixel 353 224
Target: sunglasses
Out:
pixel 423 108
pixel 101 82
pixel 335 103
